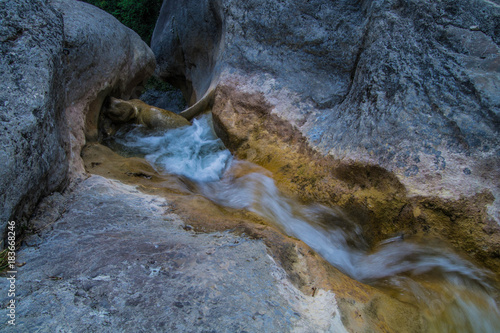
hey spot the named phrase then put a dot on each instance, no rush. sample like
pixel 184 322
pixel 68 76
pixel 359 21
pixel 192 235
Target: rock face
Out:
pixel 103 58
pixel 387 108
pixel 59 60
pixel 186 43
pixel 168 100
pixel 33 153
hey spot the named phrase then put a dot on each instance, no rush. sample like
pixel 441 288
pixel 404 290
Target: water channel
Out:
pixel 456 295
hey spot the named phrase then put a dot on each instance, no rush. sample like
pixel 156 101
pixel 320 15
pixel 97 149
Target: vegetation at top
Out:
pixel 138 15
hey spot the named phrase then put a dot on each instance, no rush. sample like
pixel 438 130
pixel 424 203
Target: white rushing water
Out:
pixel 196 153
pixel 192 151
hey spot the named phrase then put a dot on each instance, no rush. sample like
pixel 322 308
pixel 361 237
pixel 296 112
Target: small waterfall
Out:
pixel 456 295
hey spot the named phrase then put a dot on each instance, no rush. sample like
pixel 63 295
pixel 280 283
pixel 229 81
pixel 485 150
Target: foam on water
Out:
pixel 192 151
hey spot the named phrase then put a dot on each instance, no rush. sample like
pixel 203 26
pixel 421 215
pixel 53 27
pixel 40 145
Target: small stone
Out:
pixel 474 28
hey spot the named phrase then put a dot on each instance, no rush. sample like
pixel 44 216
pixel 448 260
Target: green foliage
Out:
pixel 138 15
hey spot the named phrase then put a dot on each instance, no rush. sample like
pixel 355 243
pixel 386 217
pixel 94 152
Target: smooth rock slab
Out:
pixel 117 260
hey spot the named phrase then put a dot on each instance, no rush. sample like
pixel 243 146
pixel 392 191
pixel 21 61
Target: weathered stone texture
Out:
pixel 33 154
pixel 186 43
pixel 59 60
pixel 103 58
pixel 407 86
pixel 118 260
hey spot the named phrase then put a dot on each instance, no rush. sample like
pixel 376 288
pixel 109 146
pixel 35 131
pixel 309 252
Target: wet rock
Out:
pixel 117 260
pixel 306 270
pixel 370 105
pixel 117 112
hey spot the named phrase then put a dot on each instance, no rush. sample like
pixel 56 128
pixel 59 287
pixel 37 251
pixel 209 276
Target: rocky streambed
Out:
pixel 137 246
pixel 109 258
pixel 419 286
pixel 155 256
pixel 359 191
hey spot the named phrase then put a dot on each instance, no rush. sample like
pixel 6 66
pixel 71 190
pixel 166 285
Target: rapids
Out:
pixel 454 294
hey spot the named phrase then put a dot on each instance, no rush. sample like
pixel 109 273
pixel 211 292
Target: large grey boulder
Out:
pixel 103 58
pixel 33 153
pixel 59 61
pixel 404 90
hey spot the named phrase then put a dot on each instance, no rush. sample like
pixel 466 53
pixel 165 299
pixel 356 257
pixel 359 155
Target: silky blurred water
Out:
pixel 456 295
pixel 192 151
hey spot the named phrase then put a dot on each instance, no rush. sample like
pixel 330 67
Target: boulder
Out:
pixel 389 109
pixel 59 60
pixel 103 57
pixel 34 150
pixel 118 112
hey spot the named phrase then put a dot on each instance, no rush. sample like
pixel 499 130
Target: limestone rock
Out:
pixel 103 58
pixel 59 60
pixel 168 100
pixel 127 264
pixel 395 101
pixel 186 41
pixel 136 111
pixel 33 150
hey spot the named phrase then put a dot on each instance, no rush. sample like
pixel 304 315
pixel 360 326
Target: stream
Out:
pixel 455 295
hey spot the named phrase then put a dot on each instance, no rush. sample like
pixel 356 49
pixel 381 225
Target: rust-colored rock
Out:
pixel 118 112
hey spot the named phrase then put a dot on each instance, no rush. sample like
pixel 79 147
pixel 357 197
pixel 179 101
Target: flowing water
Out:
pixel 455 295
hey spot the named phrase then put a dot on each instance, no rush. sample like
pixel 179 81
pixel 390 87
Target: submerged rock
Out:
pixel 387 108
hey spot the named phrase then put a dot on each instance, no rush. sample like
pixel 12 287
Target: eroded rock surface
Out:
pixel 103 58
pixel 168 100
pixel 120 260
pixel 118 112
pixel 362 308
pixel 387 108
pixel 59 60
pixel 33 146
